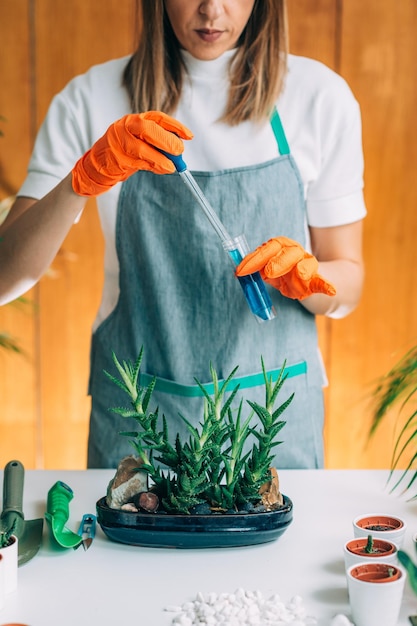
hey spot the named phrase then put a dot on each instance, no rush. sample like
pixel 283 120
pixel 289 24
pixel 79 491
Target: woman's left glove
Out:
pixel 132 143
pixel 284 264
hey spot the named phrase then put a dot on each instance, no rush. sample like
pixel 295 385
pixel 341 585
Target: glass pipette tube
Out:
pixel 253 286
pixel 237 248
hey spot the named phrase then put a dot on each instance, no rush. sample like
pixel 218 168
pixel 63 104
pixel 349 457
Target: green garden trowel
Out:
pixel 28 532
pixel 57 514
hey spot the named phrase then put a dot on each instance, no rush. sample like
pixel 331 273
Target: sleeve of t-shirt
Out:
pixel 60 142
pixel 335 197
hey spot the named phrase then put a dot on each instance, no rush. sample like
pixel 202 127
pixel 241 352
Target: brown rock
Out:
pixel 127 482
pixel 271 495
pixel 147 501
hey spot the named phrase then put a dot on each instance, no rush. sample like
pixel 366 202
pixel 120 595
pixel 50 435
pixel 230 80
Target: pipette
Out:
pixel 237 248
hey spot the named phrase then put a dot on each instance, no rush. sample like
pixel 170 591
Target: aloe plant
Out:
pixel 398 389
pixel 211 465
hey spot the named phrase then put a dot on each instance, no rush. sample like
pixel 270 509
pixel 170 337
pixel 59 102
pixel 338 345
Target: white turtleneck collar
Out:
pixel 203 102
pixel 217 68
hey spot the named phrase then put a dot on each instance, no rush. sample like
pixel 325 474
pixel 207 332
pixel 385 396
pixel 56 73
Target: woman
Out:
pixel 212 80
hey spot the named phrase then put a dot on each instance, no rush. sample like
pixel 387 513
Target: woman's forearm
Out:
pixel 31 236
pixel 347 277
pixel 339 252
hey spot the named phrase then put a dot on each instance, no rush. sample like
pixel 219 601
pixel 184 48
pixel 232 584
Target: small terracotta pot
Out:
pixel 381 547
pixel 376 572
pixel 380 526
pixel 380 523
pixel 354 551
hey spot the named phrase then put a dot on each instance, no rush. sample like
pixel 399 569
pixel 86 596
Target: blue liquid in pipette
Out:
pixel 256 296
pixel 255 291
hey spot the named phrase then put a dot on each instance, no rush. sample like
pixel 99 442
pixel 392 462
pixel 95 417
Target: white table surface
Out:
pixel 113 583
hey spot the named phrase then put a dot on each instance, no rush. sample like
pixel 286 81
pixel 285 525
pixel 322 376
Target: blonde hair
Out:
pixel 155 73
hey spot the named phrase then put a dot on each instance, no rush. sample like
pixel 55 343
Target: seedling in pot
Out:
pixel 376 547
pixel 369 548
pixel 6 536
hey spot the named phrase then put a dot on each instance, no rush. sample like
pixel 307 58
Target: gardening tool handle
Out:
pixel 13 479
pixel 57 505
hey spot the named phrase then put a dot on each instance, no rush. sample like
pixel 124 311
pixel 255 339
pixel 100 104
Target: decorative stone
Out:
pixel 271 495
pixel 129 506
pixel 147 501
pixel 127 482
pixel 201 509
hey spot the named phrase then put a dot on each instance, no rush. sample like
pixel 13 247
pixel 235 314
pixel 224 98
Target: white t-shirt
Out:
pixel 320 116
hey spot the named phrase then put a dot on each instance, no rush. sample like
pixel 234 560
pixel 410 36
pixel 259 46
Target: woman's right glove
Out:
pixel 284 264
pixel 130 144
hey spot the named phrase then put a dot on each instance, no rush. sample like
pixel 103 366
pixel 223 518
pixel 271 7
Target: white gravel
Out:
pixel 245 608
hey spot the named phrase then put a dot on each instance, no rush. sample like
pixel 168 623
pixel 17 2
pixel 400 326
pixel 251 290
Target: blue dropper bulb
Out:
pixel 177 160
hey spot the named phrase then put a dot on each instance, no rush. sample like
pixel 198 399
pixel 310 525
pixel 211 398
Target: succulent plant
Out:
pixel 212 465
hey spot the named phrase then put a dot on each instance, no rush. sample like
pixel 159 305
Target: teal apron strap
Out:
pixel 244 382
pixel 279 133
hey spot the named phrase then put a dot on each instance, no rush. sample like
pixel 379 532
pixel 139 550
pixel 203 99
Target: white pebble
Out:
pixel 243 608
pixel 340 620
pixel 183 621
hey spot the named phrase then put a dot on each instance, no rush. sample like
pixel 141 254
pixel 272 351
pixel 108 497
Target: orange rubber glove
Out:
pixel 127 146
pixel 284 264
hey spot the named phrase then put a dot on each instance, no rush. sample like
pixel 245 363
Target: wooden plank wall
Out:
pixel 43 43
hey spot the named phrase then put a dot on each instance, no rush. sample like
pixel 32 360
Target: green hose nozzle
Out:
pixel 57 514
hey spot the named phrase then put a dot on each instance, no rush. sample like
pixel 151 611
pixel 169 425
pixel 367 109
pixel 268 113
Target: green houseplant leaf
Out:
pixel 410 568
pixel 398 390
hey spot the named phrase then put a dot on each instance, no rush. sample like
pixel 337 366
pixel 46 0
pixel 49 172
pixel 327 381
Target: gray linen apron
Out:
pixel 180 300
